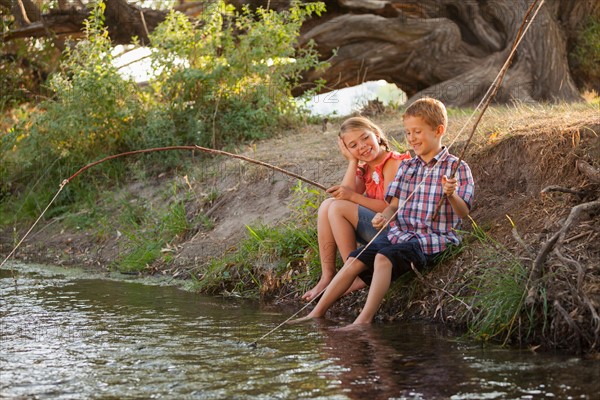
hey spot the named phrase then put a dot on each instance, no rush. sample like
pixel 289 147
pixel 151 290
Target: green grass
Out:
pixel 498 293
pixel 266 251
pixel 270 255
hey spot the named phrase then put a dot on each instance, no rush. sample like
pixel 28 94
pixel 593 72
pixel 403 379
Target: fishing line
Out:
pixel 62 185
pixel 485 101
pixel 492 93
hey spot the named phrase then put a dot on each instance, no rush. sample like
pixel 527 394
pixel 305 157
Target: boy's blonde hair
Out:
pixel 431 110
pixel 365 124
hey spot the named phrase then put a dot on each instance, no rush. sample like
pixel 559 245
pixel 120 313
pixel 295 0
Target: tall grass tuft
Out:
pixel 498 292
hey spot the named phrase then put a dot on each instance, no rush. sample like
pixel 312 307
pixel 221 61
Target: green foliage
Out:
pixel 228 78
pixel 149 231
pixel 143 252
pixel 498 292
pixel 219 81
pixel 90 114
pixel 282 250
pixel 586 53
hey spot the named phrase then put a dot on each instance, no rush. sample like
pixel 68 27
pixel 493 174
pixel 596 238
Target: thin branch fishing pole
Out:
pixel 151 150
pixel 203 149
pixel 492 93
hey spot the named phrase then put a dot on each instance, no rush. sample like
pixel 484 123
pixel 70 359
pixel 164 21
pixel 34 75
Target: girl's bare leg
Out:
pixel 382 277
pixel 343 219
pixel 336 225
pixel 327 250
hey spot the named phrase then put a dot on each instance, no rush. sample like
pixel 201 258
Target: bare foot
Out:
pixel 354 327
pixel 300 320
pixel 317 290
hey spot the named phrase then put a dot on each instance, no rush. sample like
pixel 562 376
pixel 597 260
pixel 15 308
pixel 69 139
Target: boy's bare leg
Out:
pixel 338 286
pixel 327 251
pixel 356 285
pixel 382 277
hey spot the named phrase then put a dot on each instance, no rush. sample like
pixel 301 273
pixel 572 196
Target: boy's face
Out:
pixel 425 140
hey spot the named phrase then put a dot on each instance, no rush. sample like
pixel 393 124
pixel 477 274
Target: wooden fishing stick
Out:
pixel 156 149
pixel 205 150
pixel 492 93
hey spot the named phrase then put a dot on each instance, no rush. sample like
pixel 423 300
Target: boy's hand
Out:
pixel 344 150
pixel 449 185
pixel 379 221
pixel 340 192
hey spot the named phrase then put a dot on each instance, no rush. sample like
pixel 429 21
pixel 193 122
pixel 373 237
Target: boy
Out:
pixel 414 238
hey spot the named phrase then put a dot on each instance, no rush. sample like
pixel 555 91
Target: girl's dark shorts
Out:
pixel 401 255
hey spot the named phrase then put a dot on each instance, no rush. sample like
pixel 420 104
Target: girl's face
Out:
pixel 362 144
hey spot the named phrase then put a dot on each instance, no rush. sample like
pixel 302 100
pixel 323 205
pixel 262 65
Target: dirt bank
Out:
pixel 517 152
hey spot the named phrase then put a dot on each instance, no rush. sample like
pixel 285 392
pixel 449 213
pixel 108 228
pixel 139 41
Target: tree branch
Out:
pixel 593 174
pixel 555 188
pixel 536 268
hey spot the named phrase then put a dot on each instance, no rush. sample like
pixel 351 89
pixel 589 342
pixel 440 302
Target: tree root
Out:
pixel 567 318
pixel 536 272
pixel 555 188
pixel 593 174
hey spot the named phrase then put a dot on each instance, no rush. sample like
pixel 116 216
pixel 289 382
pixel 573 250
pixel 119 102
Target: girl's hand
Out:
pixel 449 185
pixel 344 150
pixel 340 192
pixel 379 221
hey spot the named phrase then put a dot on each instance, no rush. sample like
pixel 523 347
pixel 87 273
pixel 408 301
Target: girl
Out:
pixel 346 216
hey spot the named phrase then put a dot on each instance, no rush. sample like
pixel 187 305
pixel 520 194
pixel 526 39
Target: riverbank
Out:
pixel 192 223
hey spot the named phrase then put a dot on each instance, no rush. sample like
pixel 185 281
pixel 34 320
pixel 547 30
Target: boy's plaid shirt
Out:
pixel 414 216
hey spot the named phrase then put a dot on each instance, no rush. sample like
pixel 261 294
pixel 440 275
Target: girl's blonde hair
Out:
pixel 365 124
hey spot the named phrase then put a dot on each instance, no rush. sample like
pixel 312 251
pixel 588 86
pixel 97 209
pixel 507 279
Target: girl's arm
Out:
pixel 356 196
pixel 350 180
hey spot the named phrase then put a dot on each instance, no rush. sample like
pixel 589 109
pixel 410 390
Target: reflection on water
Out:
pixel 67 335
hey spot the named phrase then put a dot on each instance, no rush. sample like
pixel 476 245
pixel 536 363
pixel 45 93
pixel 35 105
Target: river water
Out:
pixel 70 335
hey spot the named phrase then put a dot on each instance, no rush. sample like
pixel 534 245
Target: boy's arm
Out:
pixel 459 206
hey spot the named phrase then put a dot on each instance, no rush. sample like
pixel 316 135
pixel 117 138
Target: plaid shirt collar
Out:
pixel 442 155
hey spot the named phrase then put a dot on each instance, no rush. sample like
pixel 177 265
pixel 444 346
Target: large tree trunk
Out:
pixel 448 49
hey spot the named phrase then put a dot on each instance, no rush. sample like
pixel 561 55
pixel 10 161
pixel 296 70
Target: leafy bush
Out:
pixel 90 115
pixel 228 77
pixel 586 54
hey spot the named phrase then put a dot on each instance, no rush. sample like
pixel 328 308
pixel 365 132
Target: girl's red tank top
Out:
pixel 373 179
